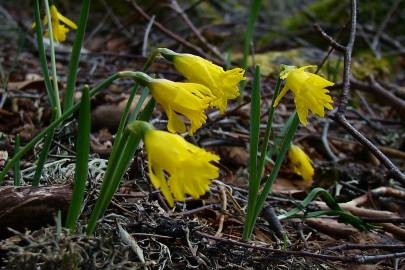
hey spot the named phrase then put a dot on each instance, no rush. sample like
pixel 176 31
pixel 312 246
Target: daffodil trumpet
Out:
pixel 223 84
pixel 175 166
pixel 309 89
pixel 177 98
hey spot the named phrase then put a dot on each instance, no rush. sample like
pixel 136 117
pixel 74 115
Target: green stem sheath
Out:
pixel 53 60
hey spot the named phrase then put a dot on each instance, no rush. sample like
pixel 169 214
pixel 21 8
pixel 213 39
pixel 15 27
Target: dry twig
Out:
pixel 339 116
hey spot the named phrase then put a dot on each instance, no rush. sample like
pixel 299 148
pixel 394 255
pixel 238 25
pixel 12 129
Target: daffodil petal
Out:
pixel 281 95
pixel 67 21
pixel 188 167
pixel 301 163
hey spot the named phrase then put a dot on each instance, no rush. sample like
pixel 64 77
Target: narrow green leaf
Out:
pixel 254 180
pixel 44 154
pixel 102 85
pixel 82 159
pixel 17 169
pixel 142 98
pixel 344 216
pixel 267 133
pixel 253 14
pixel 42 157
pixel 53 59
pixel 273 175
pixel 117 165
pixel 74 57
pixel 42 55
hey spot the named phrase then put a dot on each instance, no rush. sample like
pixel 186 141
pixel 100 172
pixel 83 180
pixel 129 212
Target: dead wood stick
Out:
pixel 31 207
pixel 176 7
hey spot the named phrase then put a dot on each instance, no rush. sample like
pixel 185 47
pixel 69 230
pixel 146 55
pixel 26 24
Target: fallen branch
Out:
pixel 358 259
pixel 24 208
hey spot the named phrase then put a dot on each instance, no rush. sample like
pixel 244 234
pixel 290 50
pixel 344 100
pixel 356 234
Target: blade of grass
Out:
pixel 53 60
pixel 142 98
pixel 331 203
pixel 74 57
pixel 117 166
pixel 102 85
pixel 42 56
pixel 272 177
pixel 254 180
pixel 17 169
pixel 44 154
pixel 267 133
pixel 82 159
pixel 253 14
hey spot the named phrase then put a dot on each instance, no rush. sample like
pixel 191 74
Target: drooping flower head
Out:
pixel 187 99
pixel 58 29
pixel 300 162
pixel 223 84
pixel 177 167
pixel 309 92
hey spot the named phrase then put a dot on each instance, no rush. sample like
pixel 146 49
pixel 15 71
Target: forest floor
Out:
pixel 139 230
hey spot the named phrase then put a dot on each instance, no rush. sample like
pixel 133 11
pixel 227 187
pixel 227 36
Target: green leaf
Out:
pixel 267 133
pixel 254 179
pixel 17 169
pixel 117 165
pixel 273 175
pixel 82 159
pixel 44 154
pixel 253 14
pixel 42 56
pixel 102 85
pixel 74 57
pixel 343 215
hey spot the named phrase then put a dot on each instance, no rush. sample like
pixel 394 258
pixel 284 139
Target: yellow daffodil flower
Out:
pixel 187 99
pixel 223 84
pixel 59 30
pixel 309 92
pixel 177 167
pixel 300 162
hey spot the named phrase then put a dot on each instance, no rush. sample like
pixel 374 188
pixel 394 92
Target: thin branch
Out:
pixel 337 46
pixel 176 7
pixel 339 116
pixel 174 35
pixel 347 61
pixel 393 169
pixel 359 259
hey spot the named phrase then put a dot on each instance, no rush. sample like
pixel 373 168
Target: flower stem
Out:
pixel 53 62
